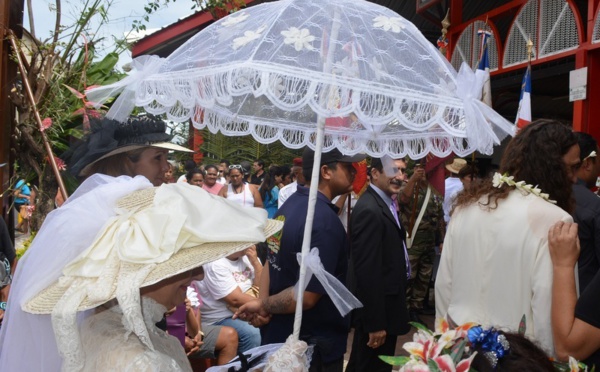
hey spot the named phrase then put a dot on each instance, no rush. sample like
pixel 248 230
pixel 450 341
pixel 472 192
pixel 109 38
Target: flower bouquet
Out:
pixel 442 350
pixel 453 350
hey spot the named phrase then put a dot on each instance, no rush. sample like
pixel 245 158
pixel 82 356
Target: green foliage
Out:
pixel 59 70
pixel 458 350
pixel 420 326
pixel 433 366
pixel 236 149
pixel 394 360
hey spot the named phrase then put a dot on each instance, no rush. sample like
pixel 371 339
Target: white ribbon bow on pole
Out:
pixel 479 116
pixel 341 297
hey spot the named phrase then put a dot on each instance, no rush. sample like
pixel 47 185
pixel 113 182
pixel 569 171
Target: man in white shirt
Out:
pixel 288 190
pixel 453 186
pixel 224 287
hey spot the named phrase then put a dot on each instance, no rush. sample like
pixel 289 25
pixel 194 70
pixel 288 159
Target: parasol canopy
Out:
pixel 345 74
pixel 273 69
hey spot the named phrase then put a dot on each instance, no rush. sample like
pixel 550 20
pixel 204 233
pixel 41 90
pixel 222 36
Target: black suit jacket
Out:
pixel 377 272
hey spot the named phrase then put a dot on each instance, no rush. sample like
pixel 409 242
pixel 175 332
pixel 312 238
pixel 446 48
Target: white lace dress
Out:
pixel 108 349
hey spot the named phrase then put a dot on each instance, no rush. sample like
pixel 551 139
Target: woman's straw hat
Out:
pixel 135 229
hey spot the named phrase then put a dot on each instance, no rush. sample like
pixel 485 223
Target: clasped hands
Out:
pixel 254 313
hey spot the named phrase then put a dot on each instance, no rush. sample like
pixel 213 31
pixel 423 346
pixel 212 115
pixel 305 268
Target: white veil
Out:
pixel 27 341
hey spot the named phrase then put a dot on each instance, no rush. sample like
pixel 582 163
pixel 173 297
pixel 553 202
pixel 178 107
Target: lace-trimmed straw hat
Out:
pixel 110 137
pixel 158 232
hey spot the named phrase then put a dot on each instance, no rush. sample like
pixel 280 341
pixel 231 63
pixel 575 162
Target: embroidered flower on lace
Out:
pixel 394 24
pixel 301 39
pixel 248 37
pixel 346 67
pixel 377 68
pixel 501 179
pixel 234 19
pixel 277 86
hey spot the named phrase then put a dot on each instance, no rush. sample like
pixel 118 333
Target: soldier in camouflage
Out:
pixel 425 228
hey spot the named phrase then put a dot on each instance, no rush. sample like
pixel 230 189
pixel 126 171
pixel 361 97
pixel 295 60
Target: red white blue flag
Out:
pixel 484 65
pixel 524 112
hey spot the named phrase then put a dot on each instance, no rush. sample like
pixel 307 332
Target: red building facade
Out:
pixel 565 36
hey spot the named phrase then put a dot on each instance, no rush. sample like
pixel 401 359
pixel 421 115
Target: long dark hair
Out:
pixel 534 155
pixel 269 181
pixel 523 355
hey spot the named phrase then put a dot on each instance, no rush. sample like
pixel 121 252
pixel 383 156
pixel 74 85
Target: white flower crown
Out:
pixel 501 179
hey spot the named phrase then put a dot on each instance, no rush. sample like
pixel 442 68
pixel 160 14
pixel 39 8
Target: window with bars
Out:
pixel 468 47
pixel 596 33
pixel 551 26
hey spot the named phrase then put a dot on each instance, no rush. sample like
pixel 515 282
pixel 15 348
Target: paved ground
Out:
pixel 20 239
pixel 429 319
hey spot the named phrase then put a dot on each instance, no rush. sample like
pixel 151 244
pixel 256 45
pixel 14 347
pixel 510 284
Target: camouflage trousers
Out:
pixel 421 258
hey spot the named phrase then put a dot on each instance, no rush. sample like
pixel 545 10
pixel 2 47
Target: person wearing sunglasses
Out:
pixel 239 191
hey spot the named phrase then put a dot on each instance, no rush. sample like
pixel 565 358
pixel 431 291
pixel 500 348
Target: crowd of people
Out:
pixel 209 256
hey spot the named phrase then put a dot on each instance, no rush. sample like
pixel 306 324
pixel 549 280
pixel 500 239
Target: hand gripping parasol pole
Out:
pixel 38 119
pixel 314 184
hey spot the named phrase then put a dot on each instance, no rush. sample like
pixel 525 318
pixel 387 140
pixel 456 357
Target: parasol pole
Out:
pixel 38 119
pixel 314 185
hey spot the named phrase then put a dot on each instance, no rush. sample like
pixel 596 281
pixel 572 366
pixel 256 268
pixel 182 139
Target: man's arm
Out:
pixel 283 302
pixel 405 196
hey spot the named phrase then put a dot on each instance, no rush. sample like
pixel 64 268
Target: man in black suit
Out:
pixel 378 269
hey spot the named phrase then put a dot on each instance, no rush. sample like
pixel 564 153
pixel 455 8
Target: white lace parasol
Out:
pixel 346 74
pixel 273 69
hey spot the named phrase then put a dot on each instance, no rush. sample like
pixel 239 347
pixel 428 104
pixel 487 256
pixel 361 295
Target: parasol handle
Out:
pixel 314 183
pixel 310 215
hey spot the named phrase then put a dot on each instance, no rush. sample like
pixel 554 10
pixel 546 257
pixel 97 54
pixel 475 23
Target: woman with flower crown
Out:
pixel 496 266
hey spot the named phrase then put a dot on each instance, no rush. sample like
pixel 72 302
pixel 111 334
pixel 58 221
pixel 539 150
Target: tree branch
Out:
pixel 56 25
pixel 26 134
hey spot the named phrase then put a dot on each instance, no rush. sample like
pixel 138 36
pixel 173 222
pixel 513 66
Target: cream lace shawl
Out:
pixel 107 348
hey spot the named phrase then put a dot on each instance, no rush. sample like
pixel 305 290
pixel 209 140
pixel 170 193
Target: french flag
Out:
pixel 524 112
pixel 484 65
